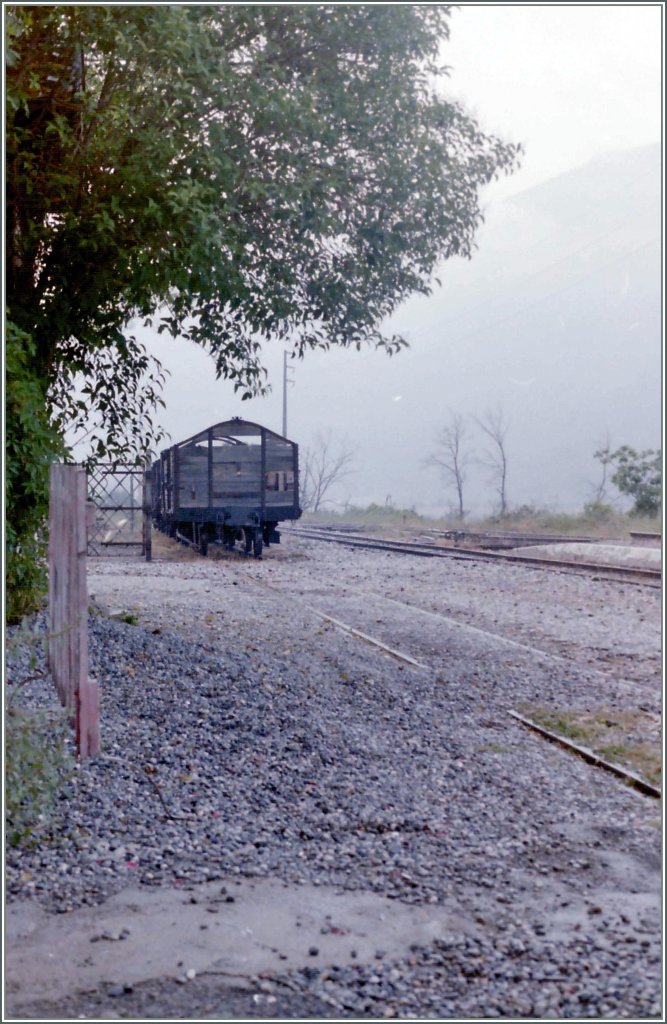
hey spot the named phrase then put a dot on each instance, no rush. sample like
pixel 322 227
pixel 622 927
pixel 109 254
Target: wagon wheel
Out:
pixel 257 544
pixel 247 540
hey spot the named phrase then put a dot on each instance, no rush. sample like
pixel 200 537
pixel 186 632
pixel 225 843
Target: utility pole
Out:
pixel 286 380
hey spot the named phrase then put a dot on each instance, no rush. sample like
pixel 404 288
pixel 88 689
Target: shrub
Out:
pixel 31 445
pixel 598 512
pixel 38 765
pixel 637 474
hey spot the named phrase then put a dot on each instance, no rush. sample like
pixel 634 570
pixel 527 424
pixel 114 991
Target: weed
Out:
pixel 493 748
pixel 37 767
pixel 611 735
pixel 129 617
pixel 565 727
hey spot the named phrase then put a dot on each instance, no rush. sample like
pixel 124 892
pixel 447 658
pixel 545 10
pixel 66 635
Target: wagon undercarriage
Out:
pixel 249 539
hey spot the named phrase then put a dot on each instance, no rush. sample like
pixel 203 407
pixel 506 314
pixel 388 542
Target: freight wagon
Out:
pixel 230 484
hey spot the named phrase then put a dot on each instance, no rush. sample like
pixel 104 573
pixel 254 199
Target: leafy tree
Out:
pixel 235 173
pixel 637 474
pixel 251 172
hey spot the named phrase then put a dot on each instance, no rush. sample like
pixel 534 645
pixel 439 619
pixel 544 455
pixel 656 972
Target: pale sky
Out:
pixel 567 80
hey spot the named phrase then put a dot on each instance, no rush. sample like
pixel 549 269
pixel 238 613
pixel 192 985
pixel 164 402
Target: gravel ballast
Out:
pixel 245 736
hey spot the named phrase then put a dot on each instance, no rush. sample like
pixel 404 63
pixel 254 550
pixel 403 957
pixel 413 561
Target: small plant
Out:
pixel 569 729
pixel 37 767
pixel 129 617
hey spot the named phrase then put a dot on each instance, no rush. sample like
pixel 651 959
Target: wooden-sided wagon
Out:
pixel 230 484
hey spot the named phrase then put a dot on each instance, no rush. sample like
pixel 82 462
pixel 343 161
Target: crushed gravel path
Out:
pixel 245 736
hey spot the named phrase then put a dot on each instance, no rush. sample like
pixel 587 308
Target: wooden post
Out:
pixel 68 605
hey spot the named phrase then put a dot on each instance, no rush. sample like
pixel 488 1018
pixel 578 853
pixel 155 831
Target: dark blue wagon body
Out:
pixel 230 484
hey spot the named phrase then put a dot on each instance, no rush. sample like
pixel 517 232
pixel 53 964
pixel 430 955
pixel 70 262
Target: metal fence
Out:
pixel 121 496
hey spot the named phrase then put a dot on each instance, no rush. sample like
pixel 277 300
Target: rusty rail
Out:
pixel 615 572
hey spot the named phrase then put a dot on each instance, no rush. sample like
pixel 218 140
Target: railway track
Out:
pixel 620 771
pixel 624 574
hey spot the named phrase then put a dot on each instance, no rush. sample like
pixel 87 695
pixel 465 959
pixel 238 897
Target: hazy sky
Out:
pixel 568 81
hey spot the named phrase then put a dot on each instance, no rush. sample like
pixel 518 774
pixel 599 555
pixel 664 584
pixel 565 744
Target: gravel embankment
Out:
pixel 255 739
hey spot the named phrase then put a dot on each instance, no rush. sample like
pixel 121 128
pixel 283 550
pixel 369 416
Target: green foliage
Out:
pixel 128 617
pixel 638 474
pixel 233 173
pixel 37 767
pixel 598 512
pixel 31 444
pixel 244 173
pixel 387 513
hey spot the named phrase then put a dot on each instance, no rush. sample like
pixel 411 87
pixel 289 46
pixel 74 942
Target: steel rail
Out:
pixel 622 573
pixel 466 627
pixel 399 655
pixel 589 755
pixel 632 778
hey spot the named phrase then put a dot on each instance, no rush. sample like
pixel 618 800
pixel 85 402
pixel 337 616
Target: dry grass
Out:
pixel 391 521
pixel 631 739
pixel 166 549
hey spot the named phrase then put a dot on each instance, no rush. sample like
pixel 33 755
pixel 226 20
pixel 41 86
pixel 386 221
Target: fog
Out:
pixel 557 318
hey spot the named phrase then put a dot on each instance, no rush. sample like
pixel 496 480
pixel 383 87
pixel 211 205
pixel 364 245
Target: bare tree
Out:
pixel 323 464
pixel 451 457
pixel 603 455
pixel 495 425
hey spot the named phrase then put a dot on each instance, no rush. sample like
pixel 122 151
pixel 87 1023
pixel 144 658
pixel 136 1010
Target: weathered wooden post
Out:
pixel 68 605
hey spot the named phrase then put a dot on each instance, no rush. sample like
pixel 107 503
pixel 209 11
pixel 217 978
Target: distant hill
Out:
pixel 557 317
pixel 593 195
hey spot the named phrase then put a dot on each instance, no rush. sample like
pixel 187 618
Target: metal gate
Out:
pixel 120 493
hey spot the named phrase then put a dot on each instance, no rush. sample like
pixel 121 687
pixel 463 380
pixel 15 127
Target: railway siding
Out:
pixel 286 748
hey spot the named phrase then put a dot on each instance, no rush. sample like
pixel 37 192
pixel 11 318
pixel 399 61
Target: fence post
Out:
pixel 147 506
pixel 68 605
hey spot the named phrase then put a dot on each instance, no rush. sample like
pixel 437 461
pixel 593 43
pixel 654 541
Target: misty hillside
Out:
pixel 556 317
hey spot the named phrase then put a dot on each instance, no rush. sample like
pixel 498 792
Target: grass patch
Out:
pixel 129 617
pixel 595 520
pixel 630 739
pixel 375 517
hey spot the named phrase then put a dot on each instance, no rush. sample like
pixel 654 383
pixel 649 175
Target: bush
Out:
pixel 598 512
pixel 31 444
pixel 638 474
pixel 37 767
